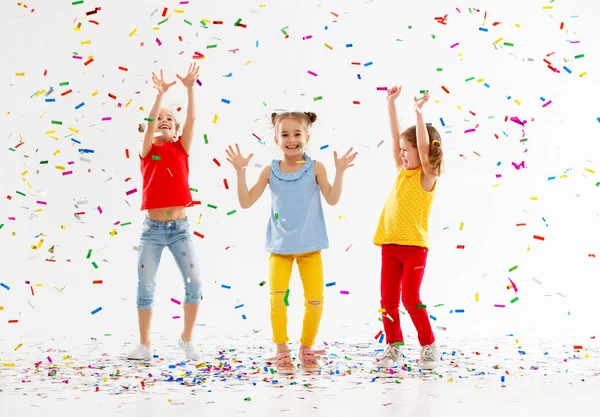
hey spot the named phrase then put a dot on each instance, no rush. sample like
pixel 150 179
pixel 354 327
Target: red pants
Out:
pixel 402 269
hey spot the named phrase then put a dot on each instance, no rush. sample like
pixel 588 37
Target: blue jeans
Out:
pixel 176 236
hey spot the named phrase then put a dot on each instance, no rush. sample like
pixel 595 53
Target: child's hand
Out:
pixel 191 76
pixel 236 159
pixel 345 162
pixel 394 92
pixel 421 102
pixel 160 84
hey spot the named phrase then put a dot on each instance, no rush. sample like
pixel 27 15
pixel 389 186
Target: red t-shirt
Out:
pixel 165 172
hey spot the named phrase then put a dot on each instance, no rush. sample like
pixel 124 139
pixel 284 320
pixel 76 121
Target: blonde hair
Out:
pixel 308 118
pixel 142 126
pixel 436 153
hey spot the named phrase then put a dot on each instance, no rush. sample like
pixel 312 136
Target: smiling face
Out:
pixel 291 136
pixel 409 155
pixel 166 125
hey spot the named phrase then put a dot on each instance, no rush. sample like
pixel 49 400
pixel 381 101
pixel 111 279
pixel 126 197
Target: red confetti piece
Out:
pixel 200 235
pixel 445 89
pixel 562 25
pixel 460 246
pixel 578 347
pixel 89 61
pixel 378 334
pixel 218 22
pixel 538 237
pixel 356 102
pixel 225 182
pixel 32 293
pixel 127 153
pixel 112 96
pixel 164 13
pixel 216 162
pixel 66 92
pixel 13 321
pixel 123 68
pixel 45 72
pixel 94 22
pixel 98 281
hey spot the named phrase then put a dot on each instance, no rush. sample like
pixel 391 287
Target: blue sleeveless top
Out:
pixel 296 224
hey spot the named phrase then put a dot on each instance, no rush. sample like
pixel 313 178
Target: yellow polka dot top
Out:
pixel 405 215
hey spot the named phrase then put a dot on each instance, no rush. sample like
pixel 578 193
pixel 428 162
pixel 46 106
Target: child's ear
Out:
pixel 307 138
pixel 276 141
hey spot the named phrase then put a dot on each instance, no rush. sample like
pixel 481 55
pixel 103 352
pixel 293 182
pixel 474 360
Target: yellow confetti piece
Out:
pixel 327 46
pixel 8 365
pixel 533 198
pixel 179 11
pixel 590 170
pixel 450 380
pixel 583 74
pixel 56 152
pixel 53 137
pixel 547 7
pixel 20 74
pixel 129 102
pixel 248 62
pixel 156 28
pixel 43 114
pixel 1 308
pixel 476 297
pixel 459 108
pixel 563 177
pixel 498 40
pixel 132 32
pixel 50 132
pixel 518 25
pixel 72 129
pixel 215 119
pixel 141 108
pixel 86 42
pixel 39 93
pixel 199 218
pixel 495 185
pixel 518 102
pixel 461 226
pixel 24 172
pixel 480 80
pixel 206 20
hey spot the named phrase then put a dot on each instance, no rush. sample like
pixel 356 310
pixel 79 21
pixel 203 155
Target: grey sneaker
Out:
pixel 140 353
pixel 390 357
pixel 191 352
pixel 429 358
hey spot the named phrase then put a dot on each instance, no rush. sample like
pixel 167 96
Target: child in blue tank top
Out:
pixel 296 228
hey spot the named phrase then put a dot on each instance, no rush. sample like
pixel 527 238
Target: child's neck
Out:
pixel 292 161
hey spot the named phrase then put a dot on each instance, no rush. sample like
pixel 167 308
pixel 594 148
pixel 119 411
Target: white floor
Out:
pixel 550 378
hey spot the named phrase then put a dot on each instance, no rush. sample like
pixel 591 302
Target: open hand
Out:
pixel 394 92
pixel 189 80
pixel 345 162
pixel 236 159
pixel 160 84
pixel 421 102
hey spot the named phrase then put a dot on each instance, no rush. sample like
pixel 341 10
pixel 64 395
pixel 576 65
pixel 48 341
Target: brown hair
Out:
pixel 307 117
pixel 436 154
pixel 142 126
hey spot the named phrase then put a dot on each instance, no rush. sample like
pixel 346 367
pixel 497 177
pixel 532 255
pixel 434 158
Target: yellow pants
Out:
pixel 310 267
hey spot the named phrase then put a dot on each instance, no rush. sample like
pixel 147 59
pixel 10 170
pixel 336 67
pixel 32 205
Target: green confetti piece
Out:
pixel 163 21
pixel 188 22
pixel 598 184
pixel 283 31
pixel 469 79
pixel 232 212
pixel 1 225
pixel 421 306
pixel 262 283
pixel 21 193
pixel 56 122
pixel 95 266
pixel 156 157
pixel 206 139
pixel 514 300
pixel 523 140
pixel 75 3
pixel 89 254
pixel 470 11
pixel 43 162
pixel 410 27
pixel 380 319
pixel 125 224
pixel 272 370
pixel 276 216
pixel 149 120
pixel 285 299
pixel 437 305
pixel 64 82
pixel 318 98
pixel 265 103
pixel 12 149
pixel 238 22
pixel 211 46
pixel 247 399
pixel 513 268
pixel 423 91
pixel 203 23
pixel 211 206
pixel 168 216
pixel 398 343
pixel 195 190
pixel 439 69
pixel 579 56
pixel 508 44
pixel 432 36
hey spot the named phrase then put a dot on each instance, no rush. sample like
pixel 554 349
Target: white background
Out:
pixel 561 137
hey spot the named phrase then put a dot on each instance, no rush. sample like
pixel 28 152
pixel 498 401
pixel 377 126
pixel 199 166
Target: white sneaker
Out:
pixel 429 358
pixel 390 357
pixel 191 352
pixel 140 353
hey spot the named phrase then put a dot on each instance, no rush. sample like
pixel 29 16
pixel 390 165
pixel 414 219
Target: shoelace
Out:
pixel 428 353
pixel 310 355
pixel 281 356
pixel 389 353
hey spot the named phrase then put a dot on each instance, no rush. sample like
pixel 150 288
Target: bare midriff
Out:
pixel 166 214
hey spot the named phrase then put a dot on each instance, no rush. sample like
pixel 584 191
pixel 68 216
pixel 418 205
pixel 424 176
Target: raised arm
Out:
pixel 247 197
pixel 187 134
pixel 161 88
pixel 430 176
pixel 393 94
pixel 332 193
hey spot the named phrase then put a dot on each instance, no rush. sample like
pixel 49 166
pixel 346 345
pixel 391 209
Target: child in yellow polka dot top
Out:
pixel 402 232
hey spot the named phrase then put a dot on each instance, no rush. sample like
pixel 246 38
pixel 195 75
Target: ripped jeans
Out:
pixel 310 267
pixel 176 236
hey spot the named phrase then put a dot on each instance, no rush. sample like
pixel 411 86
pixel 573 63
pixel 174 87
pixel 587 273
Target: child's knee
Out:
pixel 278 300
pixel 314 304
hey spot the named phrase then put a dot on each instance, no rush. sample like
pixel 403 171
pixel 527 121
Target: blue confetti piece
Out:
pixel 508 97
pixel 326 27
pixel 460 311
pixel 80 105
pixel 486 85
pixel 50 100
pixel 244 316
pixel 381 338
pixel 502 379
pixel 598 118
pixel 330 284
pixel 76 141
pixel 499 163
pixel 97 310
pixel 225 286
pixel 551 178
pixel 3 285
pixel 224 100
pixel 240 306
pixel 542 98
pixel 348 45
pixel 324 147
pixel 442 122
pixel 257 44
pixel 368 64
pixel 358 76
pixel 483 29
pixel 567 69
pixel 432 318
